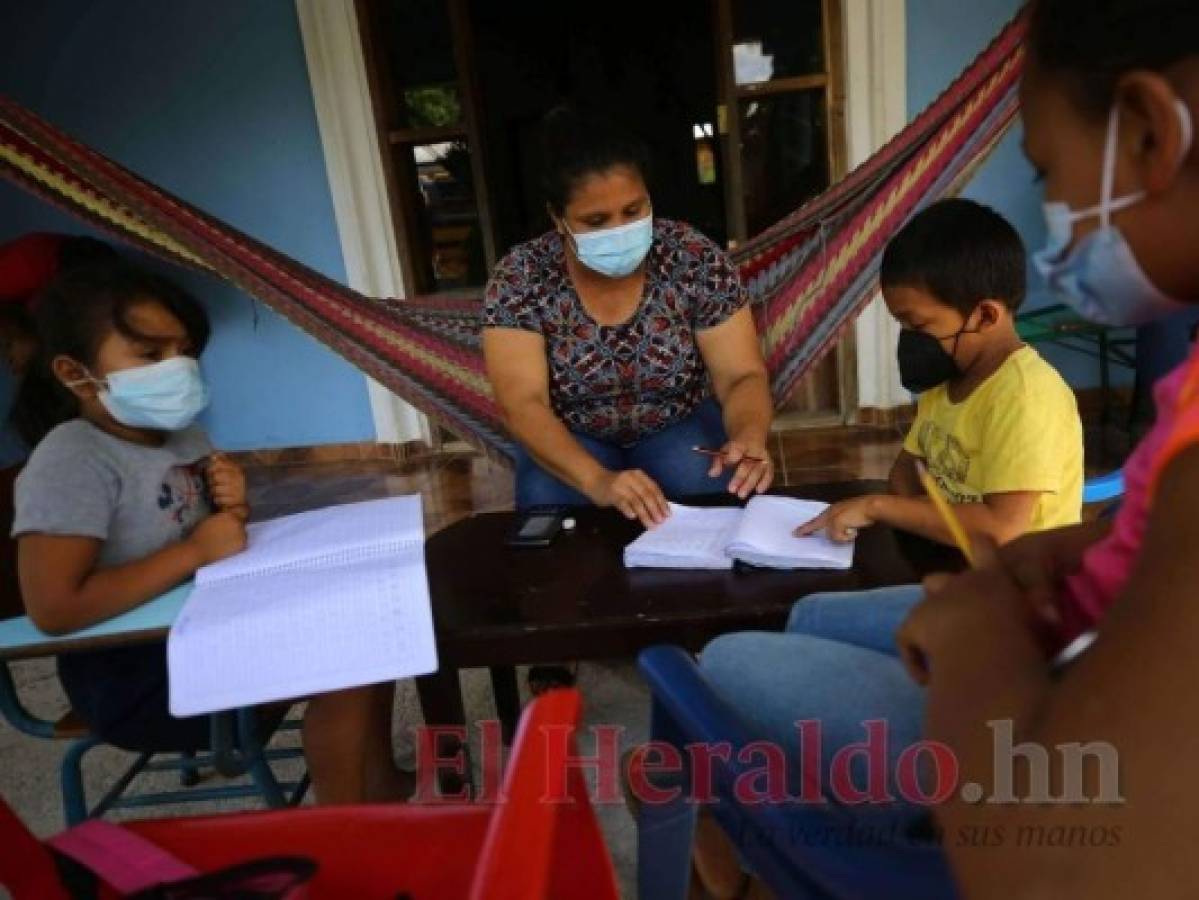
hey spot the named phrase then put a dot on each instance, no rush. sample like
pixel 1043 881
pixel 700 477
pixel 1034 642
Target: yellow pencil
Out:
pixel 945 508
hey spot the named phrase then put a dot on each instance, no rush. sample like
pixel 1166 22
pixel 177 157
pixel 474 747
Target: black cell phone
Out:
pixel 536 527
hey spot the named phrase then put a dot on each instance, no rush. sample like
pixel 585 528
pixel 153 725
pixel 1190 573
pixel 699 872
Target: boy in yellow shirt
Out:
pixel 996 425
pixel 998 429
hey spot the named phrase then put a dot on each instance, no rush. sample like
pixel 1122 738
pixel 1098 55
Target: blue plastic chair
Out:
pixel 238 748
pixel 686 711
pixel 239 737
pixel 1104 488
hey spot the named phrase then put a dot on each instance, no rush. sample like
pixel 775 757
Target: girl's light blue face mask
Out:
pixel 165 396
pixel 614 252
pixel 1100 277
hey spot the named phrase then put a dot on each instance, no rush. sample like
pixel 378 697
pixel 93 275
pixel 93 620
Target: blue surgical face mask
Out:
pixel 1100 277
pixel 165 396
pixel 614 252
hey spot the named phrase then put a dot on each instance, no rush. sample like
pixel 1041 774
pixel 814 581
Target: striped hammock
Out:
pixel 809 275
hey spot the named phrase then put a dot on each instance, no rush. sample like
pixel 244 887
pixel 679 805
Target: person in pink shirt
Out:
pixel 1070 774
pixel 1106 563
pixel 1109 99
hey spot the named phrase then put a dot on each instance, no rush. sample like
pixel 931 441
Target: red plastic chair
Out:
pixel 520 848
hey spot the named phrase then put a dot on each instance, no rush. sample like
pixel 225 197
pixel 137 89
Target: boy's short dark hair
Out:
pixel 961 253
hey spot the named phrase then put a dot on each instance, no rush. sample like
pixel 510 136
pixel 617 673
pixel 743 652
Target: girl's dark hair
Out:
pixel 576 144
pixel 74 315
pixel 1093 42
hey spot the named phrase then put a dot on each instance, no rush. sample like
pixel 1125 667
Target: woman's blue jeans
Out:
pixel 665 456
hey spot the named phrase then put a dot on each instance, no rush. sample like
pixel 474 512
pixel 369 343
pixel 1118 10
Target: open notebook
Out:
pixel 319 601
pixel 760 534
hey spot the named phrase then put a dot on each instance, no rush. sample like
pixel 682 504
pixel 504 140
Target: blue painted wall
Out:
pixel 942 37
pixel 210 100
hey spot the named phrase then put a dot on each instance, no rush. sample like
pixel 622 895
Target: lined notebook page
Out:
pixel 765 536
pixel 301 628
pixel 324 535
pixel 691 538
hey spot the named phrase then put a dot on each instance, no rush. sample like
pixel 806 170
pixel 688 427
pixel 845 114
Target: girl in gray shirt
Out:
pixel 123 498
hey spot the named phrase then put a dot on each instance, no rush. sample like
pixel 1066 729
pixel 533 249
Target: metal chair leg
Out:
pixel 237 750
pixel 256 762
pixel 15 713
pixel 74 800
pixel 506 691
pixel 301 789
pixel 115 797
pixel 226 749
pixel 189 772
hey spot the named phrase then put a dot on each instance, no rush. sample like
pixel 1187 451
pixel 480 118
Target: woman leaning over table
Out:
pixel 617 342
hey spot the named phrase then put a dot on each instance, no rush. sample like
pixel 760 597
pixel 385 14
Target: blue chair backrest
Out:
pixel 1104 488
pixel 688 711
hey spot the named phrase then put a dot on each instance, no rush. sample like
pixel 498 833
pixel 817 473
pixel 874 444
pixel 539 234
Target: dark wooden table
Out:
pixel 497 607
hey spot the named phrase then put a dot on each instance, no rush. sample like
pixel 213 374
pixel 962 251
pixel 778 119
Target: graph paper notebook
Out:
pixel 318 601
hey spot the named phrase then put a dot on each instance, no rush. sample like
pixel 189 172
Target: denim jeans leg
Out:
pixel 863 618
pixel 776 680
pixel 537 487
pixel 668 458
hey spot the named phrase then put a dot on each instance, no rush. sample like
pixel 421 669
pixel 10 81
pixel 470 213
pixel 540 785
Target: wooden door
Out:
pixel 420 64
pixel 782 129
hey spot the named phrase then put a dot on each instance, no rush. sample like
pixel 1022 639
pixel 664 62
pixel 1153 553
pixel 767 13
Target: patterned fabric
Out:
pixel 620 382
pixel 807 276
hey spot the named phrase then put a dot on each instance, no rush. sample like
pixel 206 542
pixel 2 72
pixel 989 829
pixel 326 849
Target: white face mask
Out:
pixel 1100 277
pixel 614 252
pixel 165 396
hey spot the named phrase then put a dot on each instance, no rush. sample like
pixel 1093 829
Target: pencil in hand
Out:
pixel 707 451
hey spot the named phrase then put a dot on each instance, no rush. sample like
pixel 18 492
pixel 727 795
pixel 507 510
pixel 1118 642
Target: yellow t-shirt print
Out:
pixel 948 462
pixel 1018 431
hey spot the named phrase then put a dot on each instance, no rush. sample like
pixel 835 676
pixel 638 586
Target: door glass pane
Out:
pixel 776 39
pixel 449 236
pixel 784 154
pixel 419 44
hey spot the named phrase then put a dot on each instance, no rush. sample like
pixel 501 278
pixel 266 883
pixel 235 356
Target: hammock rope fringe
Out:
pixel 809 275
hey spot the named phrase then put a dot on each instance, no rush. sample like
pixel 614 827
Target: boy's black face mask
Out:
pixel 924 362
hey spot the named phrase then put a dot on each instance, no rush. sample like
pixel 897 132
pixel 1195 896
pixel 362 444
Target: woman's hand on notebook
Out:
pixel 634 493
pixel 751 460
pixel 842 521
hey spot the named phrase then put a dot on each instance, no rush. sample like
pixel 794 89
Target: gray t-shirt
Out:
pixel 84 482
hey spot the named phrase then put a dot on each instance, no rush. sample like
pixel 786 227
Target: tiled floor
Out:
pixel 452 486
